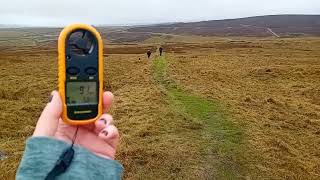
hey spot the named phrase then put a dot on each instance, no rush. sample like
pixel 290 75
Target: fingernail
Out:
pixel 50 98
pixel 110 94
pixel 105 132
pixel 104 120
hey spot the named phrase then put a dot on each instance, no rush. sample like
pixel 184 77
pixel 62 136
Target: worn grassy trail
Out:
pixel 222 142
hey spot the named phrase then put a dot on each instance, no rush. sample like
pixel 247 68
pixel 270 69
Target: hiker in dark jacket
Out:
pixel 149 54
pixel 160 50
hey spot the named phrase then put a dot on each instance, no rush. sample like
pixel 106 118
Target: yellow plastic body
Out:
pixel 62 70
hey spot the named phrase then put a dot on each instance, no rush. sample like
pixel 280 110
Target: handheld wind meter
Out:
pixel 80 50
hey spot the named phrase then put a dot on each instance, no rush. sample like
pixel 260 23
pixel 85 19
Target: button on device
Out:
pixel 73 71
pixel 91 71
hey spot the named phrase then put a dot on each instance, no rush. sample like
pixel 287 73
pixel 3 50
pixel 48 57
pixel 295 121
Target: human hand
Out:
pixel 101 138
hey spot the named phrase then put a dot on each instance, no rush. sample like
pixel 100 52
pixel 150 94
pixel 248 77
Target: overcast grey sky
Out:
pixel 62 12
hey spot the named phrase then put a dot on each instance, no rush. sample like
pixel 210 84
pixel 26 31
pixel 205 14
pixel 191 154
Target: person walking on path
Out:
pixel 149 54
pixel 160 51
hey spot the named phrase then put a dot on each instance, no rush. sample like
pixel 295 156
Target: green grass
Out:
pixel 160 69
pixel 222 140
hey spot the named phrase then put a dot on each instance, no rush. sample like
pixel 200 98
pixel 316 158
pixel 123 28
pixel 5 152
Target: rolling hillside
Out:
pixel 260 26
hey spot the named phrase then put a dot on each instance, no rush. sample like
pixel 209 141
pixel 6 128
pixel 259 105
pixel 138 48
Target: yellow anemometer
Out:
pixel 80 51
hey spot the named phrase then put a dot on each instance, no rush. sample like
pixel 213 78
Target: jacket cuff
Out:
pixel 41 154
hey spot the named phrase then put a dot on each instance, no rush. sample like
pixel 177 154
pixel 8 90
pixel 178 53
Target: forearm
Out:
pixel 41 154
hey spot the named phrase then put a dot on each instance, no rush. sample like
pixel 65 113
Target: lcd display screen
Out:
pixel 81 93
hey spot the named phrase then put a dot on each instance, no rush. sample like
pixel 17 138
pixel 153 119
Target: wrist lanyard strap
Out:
pixel 62 164
pixel 64 160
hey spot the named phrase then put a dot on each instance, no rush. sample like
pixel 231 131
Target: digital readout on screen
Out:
pixel 81 93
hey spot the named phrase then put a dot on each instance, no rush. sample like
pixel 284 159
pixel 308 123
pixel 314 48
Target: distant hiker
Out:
pixel 149 54
pixel 160 50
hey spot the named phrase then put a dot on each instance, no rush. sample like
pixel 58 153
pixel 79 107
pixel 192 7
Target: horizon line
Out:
pixel 3 26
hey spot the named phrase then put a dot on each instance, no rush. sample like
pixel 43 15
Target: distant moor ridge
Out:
pixel 259 26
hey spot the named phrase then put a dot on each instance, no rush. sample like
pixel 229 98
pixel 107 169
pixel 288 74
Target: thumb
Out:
pixel 49 119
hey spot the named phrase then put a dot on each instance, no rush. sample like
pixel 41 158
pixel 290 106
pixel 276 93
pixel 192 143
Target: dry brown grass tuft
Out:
pixel 129 49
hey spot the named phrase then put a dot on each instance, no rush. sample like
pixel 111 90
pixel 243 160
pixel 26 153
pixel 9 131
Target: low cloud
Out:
pixel 62 12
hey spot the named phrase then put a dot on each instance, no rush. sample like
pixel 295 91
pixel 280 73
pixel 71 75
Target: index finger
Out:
pixel 107 101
